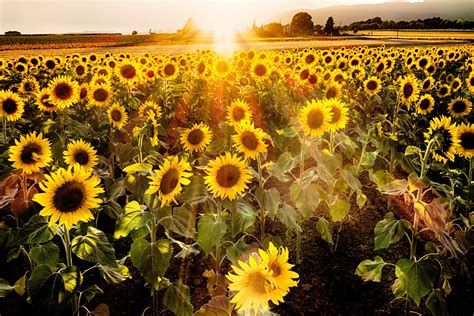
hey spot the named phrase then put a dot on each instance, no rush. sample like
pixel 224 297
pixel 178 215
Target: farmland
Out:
pixel 154 175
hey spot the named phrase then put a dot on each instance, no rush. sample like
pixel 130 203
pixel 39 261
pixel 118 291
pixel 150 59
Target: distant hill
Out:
pixel 407 11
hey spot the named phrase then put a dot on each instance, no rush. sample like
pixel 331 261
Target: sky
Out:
pixel 124 16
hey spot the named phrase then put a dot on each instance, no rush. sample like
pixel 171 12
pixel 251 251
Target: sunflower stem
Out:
pixel 68 251
pixel 392 150
pixel 471 166
pixel 364 150
pixel 331 142
pixel 5 134
pixel 298 232
pixel 154 293
pixel 260 182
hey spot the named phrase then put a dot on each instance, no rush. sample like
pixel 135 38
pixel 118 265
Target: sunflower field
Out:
pixel 257 183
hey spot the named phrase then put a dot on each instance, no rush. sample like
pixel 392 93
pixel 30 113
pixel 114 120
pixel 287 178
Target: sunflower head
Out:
pixel 11 105
pixel 249 140
pixel 148 106
pixel 30 153
pixel 372 85
pixel 127 71
pixel 64 92
pixel 445 134
pixel 339 112
pixel 29 86
pixel 315 118
pixel 68 196
pixel 80 153
pixel 459 107
pixel 260 70
pixel 169 180
pixel 333 90
pixel 409 89
pixel 238 112
pixel 425 104
pixel 196 138
pixel 465 138
pixel 227 176
pixel 118 117
pixel 100 95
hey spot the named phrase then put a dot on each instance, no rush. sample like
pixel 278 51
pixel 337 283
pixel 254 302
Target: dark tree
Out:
pixel 329 28
pixel 302 24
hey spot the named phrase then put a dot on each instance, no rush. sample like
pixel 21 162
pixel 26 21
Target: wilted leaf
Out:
pixel 371 270
pixel 324 229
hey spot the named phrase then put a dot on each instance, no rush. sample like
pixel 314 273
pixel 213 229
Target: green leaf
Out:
pixel 398 289
pixel 45 254
pixel 412 150
pixel 284 164
pixel 177 298
pixel 380 178
pixel 195 192
pixel 417 277
pixel 324 229
pixel 289 132
pixel 91 292
pixel 371 270
pixel 36 231
pixel 138 167
pixel 237 250
pixel 388 231
pixel 339 209
pixel 269 200
pixel 182 222
pixel 46 290
pixel 369 158
pixel 305 197
pixel 437 303
pixel 114 275
pixel 209 232
pixel 396 187
pixel 289 217
pixel 72 278
pixel 152 260
pixel 243 217
pixel 218 306
pixel 5 288
pixel 94 247
pixel 134 217
pixel 116 189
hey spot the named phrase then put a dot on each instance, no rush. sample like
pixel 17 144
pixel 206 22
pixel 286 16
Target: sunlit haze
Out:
pixel 222 17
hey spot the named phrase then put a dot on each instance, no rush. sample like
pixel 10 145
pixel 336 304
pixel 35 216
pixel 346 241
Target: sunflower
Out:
pixel 459 107
pixel 470 82
pixel 446 135
pixel 276 260
pixel 148 106
pixel 222 68
pixel 260 70
pixel 333 90
pixel 11 105
pixel 117 115
pixel 64 92
pixel 227 176
pixel 427 84
pixel 315 118
pixel 456 84
pixel 168 180
pixel 443 91
pixel 127 71
pixel 196 138
pixel 68 196
pixel 254 286
pixel 238 112
pixel 169 71
pixel 372 85
pixel 409 89
pixel 465 137
pixel 83 92
pixel 80 70
pixel 30 153
pixel 249 140
pixel 100 95
pixel 43 102
pixel 425 104
pixel 80 153
pixel 29 85
pixel 339 112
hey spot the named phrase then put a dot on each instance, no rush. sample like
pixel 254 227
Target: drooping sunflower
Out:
pixel 43 102
pixel 470 82
pixel 169 180
pixel 315 118
pixel 409 89
pixel 148 106
pixel 80 153
pixel 11 105
pixel 238 112
pixel 118 117
pixel 465 137
pixel 64 91
pixel 68 196
pixel 227 176
pixel 100 95
pixel 253 285
pixel 249 140
pixel 425 104
pixel 276 260
pixel 459 107
pixel 339 112
pixel 30 153
pixel 196 138
pixel 446 138
pixel 372 85
pixel 29 85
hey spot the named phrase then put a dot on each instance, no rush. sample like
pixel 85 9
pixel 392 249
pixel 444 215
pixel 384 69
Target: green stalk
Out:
pixel 471 166
pixel 392 151
pixel 154 293
pixel 68 251
pixel 5 136
pixel 260 182
pixel 298 233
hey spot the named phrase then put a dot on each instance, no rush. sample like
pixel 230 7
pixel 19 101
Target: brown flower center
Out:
pixel 260 70
pixel 27 154
pixel 372 85
pixel 63 91
pixel 69 197
pixel 467 140
pixel 128 71
pixel 257 282
pixel 425 104
pixel 315 119
pixel 195 137
pixel 336 114
pixel 169 181
pixel 80 70
pixel 459 106
pixel 249 140
pixel 9 106
pixel 101 95
pixel 276 269
pixel 331 93
pixel 116 115
pixel 228 176
pixel 81 157
pixel 169 70
pixel 407 90
pixel 238 113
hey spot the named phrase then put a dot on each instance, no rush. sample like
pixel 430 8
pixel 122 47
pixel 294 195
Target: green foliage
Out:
pixel 94 247
pixel 210 232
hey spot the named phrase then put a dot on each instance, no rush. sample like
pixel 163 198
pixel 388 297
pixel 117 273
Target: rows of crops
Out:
pixel 204 155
